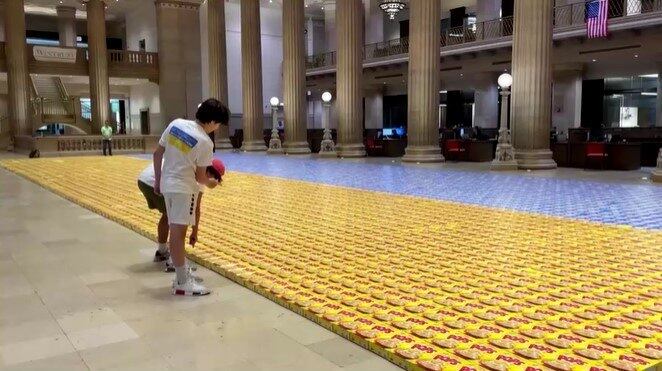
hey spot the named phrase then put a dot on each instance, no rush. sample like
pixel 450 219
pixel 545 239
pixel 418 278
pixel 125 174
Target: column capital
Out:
pixel 65 11
pixel 174 4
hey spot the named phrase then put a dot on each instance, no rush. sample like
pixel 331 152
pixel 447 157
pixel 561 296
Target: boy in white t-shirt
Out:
pixel 146 181
pixel 180 164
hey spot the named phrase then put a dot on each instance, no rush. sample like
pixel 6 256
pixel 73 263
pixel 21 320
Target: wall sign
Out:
pixel 54 54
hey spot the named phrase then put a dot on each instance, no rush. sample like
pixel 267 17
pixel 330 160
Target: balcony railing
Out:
pixel 321 60
pixel 564 16
pixel 132 58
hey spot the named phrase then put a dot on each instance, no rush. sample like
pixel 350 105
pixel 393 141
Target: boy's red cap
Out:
pixel 218 165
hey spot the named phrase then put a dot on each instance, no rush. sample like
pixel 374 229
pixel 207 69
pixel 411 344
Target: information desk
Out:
pixel 386 147
pixel 473 150
pixel 621 156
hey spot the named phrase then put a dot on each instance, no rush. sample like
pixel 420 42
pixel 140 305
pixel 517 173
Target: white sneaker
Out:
pixel 191 275
pixel 190 288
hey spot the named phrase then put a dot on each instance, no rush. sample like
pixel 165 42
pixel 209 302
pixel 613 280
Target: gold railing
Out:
pixel 321 60
pixel 386 48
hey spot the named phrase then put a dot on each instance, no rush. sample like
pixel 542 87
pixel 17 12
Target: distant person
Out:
pixel 107 135
pixel 180 166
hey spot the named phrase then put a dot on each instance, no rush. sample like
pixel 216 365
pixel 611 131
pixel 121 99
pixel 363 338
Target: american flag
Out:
pixel 596 18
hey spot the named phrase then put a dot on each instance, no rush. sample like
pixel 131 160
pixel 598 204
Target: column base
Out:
pixel 537 159
pixel 223 144
pixel 503 165
pixel 297 148
pixel 656 175
pixel 427 154
pixel 254 146
pixel 328 154
pixel 351 150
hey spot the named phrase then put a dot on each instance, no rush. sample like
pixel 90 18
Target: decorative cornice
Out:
pixel 175 4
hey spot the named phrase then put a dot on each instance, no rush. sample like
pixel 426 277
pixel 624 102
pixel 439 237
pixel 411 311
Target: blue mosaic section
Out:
pixel 628 204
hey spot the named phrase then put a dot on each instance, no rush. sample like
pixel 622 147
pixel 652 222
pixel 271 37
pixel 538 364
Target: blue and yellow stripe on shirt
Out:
pixel 181 140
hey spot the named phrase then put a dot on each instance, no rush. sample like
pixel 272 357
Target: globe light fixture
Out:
pixel 505 81
pixel 505 153
pixel 326 97
pixel 274 101
pixel 392 7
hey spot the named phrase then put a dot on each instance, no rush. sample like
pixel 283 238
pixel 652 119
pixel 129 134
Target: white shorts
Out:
pixel 181 207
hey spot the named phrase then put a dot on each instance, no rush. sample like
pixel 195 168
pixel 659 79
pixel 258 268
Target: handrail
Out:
pixel 564 16
pixel 130 57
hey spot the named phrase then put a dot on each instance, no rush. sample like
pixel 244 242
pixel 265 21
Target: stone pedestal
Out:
pixel 505 153
pixel 328 146
pixel 251 72
pixel 349 76
pixel 423 83
pixel 294 79
pixel 656 175
pixel 275 145
pixel 532 84
pixel 218 71
pixel 66 25
pixel 18 79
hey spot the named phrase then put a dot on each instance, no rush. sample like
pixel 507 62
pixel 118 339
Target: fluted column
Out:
pixel 251 73
pixel 218 71
pixel 294 78
pixel 66 25
pixel 98 63
pixel 423 83
pixel 17 68
pixel 349 33
pixel 532 84
pixel 658 105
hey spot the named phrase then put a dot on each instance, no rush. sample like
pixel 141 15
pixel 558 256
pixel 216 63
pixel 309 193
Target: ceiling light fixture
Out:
pixel 392 7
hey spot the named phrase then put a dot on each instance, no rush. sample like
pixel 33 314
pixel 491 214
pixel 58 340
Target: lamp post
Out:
pixel 275 146
pixel 505 154
pixel 328 147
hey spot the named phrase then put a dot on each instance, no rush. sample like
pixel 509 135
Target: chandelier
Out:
pixel 392 7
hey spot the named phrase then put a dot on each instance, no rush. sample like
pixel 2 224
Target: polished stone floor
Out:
pixel 79 292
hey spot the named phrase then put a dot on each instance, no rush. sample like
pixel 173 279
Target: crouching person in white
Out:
pixel 180 165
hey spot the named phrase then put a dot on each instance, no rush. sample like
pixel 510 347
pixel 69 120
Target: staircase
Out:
pixel 53 105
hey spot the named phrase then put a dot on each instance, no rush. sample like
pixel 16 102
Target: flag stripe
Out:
pixel 596 18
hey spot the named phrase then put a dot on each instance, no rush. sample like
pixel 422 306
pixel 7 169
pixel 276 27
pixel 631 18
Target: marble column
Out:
pixel 349 75
pixel 218 71
pixel 66 25
pixel 180 61
pixel 294 78
pixel 532 84
pixel 423 83
pixel 330 24
pixel 98 63
pixel 658 106
pixel 17 68
pixel 374 108
pixel 251 73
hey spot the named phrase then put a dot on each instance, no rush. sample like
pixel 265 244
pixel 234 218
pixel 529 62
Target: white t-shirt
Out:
pixel 147 176
pixel 187 147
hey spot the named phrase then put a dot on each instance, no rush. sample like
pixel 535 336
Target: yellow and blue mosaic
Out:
pixel 428 283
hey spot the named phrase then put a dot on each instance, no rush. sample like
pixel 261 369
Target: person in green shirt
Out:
pixel 107 134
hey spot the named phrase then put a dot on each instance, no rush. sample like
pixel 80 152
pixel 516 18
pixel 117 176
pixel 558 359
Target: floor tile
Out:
pixel 102 335
pixel 124 354
pixel 35 349
pixel 341 352
pixel 65 362
pixel 87 319
pixel 29 330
